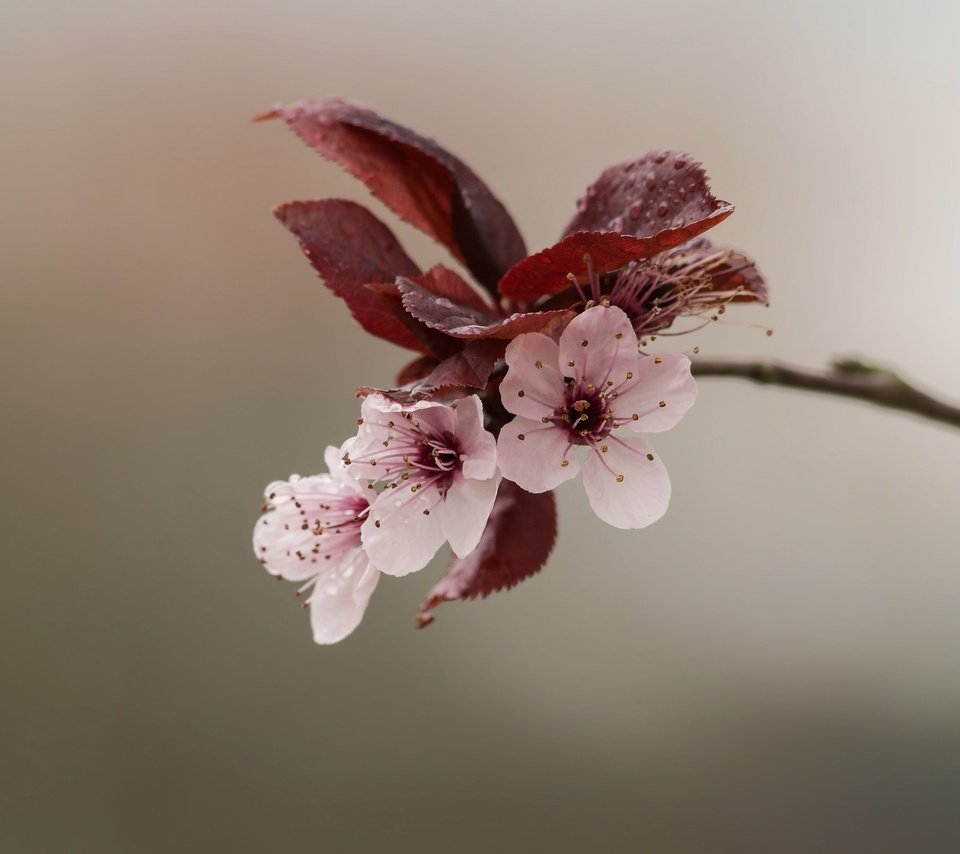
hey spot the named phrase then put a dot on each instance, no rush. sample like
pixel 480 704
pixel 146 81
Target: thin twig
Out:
pixel 844 377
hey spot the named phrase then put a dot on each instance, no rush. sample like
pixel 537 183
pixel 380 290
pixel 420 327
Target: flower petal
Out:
pixel 465 510
pixel 478 447
pixel 402 532
pixel 627 486
pixel 291 539
pixel 599 346
pixel 533 386
pixel 340 597
pixel 660 393
pixel 535 462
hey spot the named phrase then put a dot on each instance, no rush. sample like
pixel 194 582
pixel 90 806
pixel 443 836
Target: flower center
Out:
pixel 586 412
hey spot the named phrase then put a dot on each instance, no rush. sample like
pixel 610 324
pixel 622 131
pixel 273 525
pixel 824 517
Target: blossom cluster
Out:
pixel 542 371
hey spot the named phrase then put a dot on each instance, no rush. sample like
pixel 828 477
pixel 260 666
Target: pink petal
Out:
pixel 599 345
pixel 640 497
pixel 533 386
pixel 666 381
pixel 285 539
pixel 534 462
pixel 340 597
pixel 464 512
pixel 409 532
pixel 478 447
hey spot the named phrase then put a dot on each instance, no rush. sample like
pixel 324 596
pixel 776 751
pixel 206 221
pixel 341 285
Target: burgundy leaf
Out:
pixel 460 321
pixel 548 272
pixel 416 370
pixel 421 181
pixel 444 282
pixel 431 341
pixel 469 368
pixel 656 192
pixel 464 371
pixel 516 543
pixel 349 248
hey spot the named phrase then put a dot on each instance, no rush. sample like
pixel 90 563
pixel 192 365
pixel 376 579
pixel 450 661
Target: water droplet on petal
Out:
pixel 616 224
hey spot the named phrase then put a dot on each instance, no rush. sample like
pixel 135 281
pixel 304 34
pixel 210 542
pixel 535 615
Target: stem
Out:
pixel 844 377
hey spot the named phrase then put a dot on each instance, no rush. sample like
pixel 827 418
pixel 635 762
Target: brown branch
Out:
pixel 844 377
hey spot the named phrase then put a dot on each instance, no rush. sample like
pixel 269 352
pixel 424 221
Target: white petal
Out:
pixel 465 511
pixel 407 537
pixel 534 463
pixel 340 597
pixel 478 447
pixel 601 344
pixel 643 494
pixel 529 390
pixel 669 381
pixel 285 538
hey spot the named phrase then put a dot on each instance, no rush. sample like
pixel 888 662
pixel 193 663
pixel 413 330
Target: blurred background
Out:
pixel 772 667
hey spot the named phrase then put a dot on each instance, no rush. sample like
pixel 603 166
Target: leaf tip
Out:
pixel 275 112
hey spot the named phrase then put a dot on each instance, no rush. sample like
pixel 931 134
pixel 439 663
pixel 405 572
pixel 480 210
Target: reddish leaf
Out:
pixel 515 545
pixel 548 272
pixel 432 341
pixel 421 181
pixel 416 370
pixel 656 192
pixel 444 282
pixel 349 247
pixel 470 368
pixel 466 370
pixel 460 321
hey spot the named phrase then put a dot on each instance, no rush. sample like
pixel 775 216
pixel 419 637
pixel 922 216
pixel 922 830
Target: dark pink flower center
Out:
pixel 585 413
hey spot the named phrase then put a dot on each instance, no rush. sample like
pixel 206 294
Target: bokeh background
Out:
pixel 772 667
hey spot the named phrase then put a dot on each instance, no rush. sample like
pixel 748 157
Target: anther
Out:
pixel 584 342
pixel 521 436
pixel 650 457
pixel 663 403
pixel 564 463
pixel 619 478
pixel 538 364
pixel 520 393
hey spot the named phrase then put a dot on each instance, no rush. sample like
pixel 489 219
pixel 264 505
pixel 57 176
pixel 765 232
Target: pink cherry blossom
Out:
pixel 437 469
pixel 572 400
pixel 310 532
